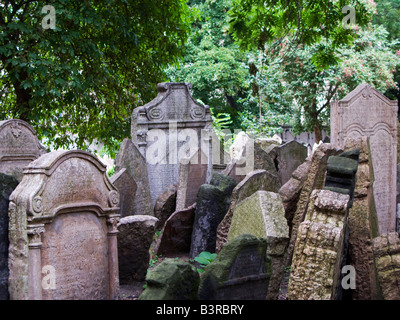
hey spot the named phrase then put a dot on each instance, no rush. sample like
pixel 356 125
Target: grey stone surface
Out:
pixel 127 187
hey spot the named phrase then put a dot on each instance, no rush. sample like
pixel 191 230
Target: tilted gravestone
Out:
pixel 171 280
pixel 7 186
pixel 241 271
pixel 19 146
pixel 287 157
pixel 135 235
pixel 211 206
pixel 165 205
pixel 63 230
pixel 255 181
pixel 134 184
pixel 171 127
pixel 367 112
pixel 127 187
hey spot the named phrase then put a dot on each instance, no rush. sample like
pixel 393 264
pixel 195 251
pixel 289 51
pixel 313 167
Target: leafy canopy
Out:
pixel 81 80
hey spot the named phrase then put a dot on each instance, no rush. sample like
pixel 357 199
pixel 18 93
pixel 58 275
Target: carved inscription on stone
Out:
pixel 75 245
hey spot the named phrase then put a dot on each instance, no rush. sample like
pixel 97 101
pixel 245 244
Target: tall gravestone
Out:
pixel 19 146
pixel 171 127
pixel 367 112
pixel 63 230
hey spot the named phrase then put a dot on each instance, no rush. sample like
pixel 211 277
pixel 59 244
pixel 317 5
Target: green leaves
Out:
pixel 84 78
pixel 204 258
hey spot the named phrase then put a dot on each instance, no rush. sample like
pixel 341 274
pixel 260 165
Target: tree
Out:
pixel 213 63
pixel 81 80
pixel 309 90
pixel 255 23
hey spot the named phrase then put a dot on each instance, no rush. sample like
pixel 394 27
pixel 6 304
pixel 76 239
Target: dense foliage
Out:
pixel 82 79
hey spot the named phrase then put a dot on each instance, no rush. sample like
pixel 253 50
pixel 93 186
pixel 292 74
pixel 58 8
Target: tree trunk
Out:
pixel 317 133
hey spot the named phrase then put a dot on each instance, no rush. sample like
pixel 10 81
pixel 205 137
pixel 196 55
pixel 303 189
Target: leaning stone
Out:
pixel 134 239
pixel 165 205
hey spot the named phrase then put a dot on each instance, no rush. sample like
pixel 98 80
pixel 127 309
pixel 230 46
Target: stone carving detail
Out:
pixel 16 129
pixel 74 231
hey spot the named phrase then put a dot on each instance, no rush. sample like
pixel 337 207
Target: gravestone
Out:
pixel 171 127
pixel 315 180
pixel 7 186
pixel 135 235
pixel 63 230
pixel 363 225
pixel 19 146
pixel 165 205
pixel 126 187
pixel 367 112
pixel 172 280
pixel 241 271
pixel 387 262
pixel 176 234
pixel 263 216
pixel 192 174
pixel 211 206
pixel 287 157
pixel 130 159
pixel 253 182
pixel 317 256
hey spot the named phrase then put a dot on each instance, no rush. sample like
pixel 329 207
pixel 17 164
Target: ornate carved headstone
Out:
pixel 171 127
pixel 19 146
pixel 62 230
pixel 367 112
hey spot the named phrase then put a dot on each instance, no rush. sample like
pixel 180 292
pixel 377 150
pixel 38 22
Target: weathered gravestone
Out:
pixel 127 187
pixel 165 205
pixel 192 174
pixel 19 146
pixel 263 216
pixel 135 235
pixel 317 256
pixel 171 127
pixel 172 280
pixel 134 184
pixel 387 262
pixel 367 112
pixel 7 185
pixel 363 226
pixel 241 271
pixel 176 234
pixel 211 206
pixel 253 182
pixel 63 230
pixel 315 180
pixel 287 157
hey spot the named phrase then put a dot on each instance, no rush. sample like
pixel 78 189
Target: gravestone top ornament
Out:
pixel 63 224
pixel 365 112
pixel 19 146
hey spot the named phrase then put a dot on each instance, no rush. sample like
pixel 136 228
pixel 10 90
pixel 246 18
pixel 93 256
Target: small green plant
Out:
pixel 204 258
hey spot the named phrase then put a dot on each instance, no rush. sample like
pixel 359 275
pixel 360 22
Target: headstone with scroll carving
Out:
pixel 367 112
pixel 62 229
pixel 19 146
pixel 171 127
